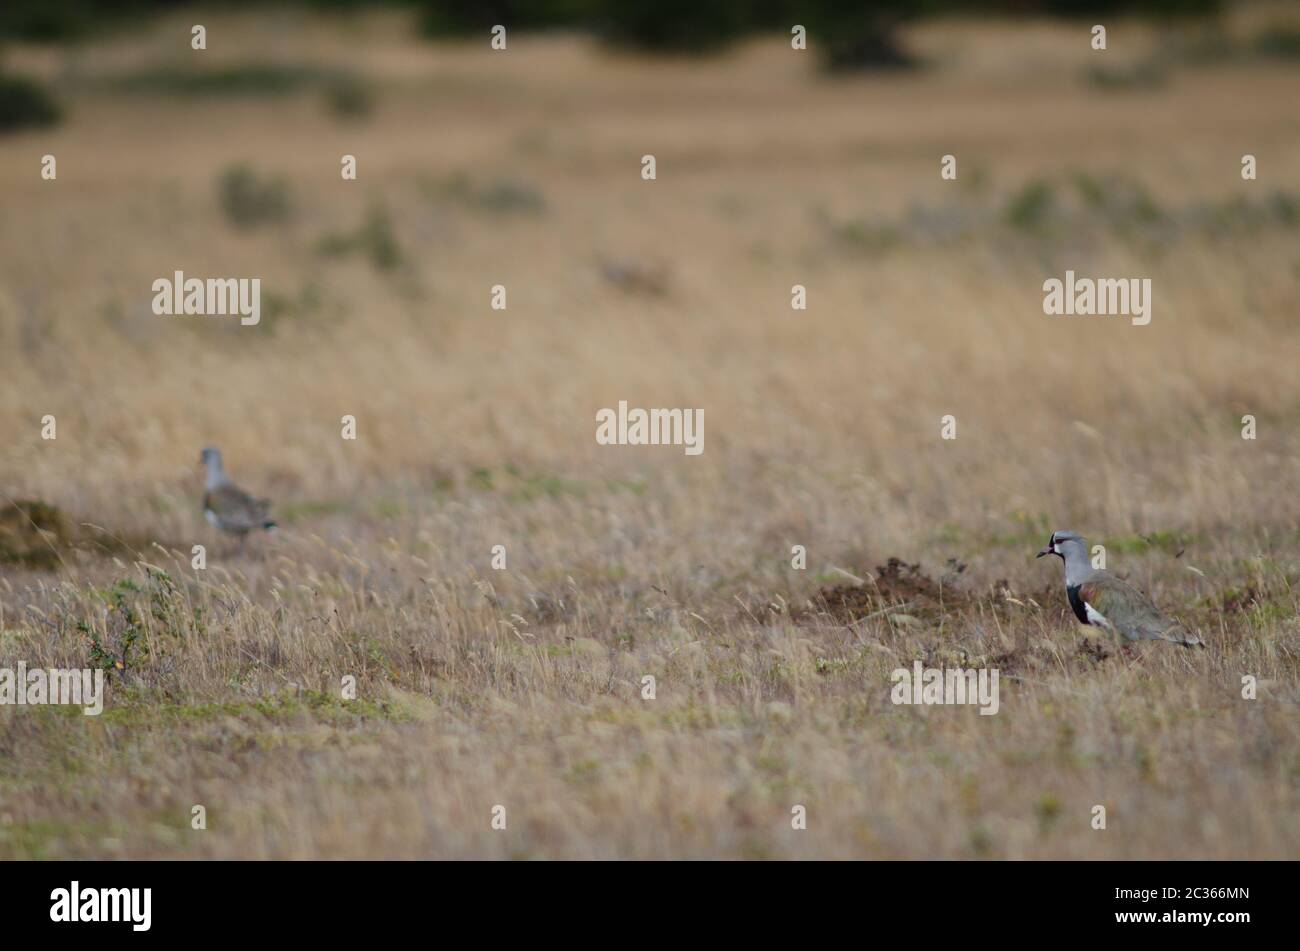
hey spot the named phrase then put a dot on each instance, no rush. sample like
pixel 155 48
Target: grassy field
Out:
pixel 522 687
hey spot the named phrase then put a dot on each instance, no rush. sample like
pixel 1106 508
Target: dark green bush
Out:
pixel 46 21
pixel 254 79
pixel 348 97
pixel 23 103
pixel 1278 42
pixel 250 200
pixel 676 26
pixel 850 34
pixel 463 17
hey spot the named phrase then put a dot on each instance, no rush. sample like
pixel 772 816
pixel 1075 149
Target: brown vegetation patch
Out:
pixel 903 588
pixel 896 580
pixel 36 534
pixel 1094 651
pixel 30 533
pixel 1239 600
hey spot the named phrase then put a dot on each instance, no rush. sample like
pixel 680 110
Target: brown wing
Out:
pixel 235 508
pixel 1125 606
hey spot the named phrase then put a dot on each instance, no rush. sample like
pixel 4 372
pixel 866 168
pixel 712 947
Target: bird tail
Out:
pixel 1182 637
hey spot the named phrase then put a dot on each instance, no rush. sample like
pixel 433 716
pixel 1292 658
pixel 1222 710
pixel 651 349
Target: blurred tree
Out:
pixel 25 103
pixel 865 34
pixel 44 22
pixel 56 21
pixel 681 26
pixel 1094 8
pixel 460 17
pixel 851 34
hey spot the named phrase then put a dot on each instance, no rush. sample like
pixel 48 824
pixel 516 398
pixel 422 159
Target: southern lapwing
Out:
pixel 226 505
pixel 1102 600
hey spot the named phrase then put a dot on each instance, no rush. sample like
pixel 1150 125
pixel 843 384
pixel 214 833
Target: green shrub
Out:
pixel 506 196
pixel 1278 42
pixel 1030 207
pixel 348 97
pixel 249 200
pixel 675 26
pixel 136 610
pixel 861 36
pixel 30 533
pixel 465 17
pixel 376 239
pixel 380 241
pixel 24 103
pixel 46 21
pixel 257 79
pixel 1141 75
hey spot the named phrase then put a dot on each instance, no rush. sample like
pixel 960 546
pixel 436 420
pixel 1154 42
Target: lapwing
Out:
pixel 1102 600
pixel 226 505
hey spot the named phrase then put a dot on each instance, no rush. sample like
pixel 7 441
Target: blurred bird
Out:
pixel 1102 600
pixel 635 276
pixel 226 505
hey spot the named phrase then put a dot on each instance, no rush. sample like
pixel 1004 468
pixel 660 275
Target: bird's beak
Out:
pixel 1045 551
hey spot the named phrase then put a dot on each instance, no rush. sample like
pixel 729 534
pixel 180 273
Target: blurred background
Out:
pixel 776 166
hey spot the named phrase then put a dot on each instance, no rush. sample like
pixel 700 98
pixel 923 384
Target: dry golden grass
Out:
pixel 522 687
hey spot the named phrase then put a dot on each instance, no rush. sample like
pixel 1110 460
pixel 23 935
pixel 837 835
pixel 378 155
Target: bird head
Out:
pixel 1058 541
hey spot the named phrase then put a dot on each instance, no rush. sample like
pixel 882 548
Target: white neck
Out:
pixel 216 475
pixel 1077 565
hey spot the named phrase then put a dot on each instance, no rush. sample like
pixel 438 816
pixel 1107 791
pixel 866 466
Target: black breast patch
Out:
pixel 1076 602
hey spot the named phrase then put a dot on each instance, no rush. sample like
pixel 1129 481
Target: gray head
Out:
pixel 211 459
pixel 1071 549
